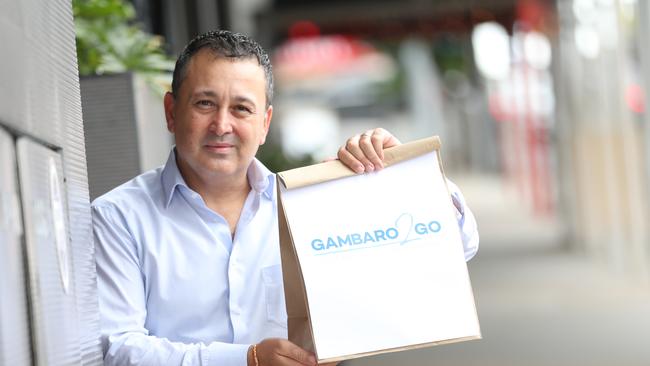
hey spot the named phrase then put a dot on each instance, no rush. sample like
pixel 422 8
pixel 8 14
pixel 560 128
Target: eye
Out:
pixel 243 109
pixel 204 103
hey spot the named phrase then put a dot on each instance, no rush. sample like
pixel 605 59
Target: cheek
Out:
pixel 244 130
pixel 188 136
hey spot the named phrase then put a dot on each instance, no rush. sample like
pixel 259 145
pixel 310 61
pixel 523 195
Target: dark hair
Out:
pixel 228 44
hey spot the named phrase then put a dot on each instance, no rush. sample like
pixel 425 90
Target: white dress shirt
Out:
pixel 176 289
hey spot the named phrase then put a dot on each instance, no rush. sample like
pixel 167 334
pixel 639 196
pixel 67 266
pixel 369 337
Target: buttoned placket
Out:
pixel 216 223
pixel 236 270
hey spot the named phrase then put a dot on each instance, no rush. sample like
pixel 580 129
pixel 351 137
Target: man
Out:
pixel 187 255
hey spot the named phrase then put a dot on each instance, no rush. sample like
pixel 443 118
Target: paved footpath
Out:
pixel 538 304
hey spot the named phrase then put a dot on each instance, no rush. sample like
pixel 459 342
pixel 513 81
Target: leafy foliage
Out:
pixel 108 41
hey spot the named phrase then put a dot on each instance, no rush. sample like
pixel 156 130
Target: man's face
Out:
pixel 219 117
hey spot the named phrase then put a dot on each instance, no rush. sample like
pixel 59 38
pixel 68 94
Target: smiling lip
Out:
pixel 219 147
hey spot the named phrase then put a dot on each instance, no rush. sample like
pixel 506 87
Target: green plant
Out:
pixel 108 41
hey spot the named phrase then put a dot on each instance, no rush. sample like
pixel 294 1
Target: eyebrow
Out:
pixel 243 99
pixel 209 93
pixel 204 93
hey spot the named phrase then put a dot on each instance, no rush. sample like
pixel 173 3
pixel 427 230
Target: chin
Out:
pixel 223 168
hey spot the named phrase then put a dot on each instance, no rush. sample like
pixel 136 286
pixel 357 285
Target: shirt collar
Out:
pixel 171 177
pixel 259 177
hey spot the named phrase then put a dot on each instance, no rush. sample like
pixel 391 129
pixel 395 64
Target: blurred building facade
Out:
pixel 49 313
pixel 602 130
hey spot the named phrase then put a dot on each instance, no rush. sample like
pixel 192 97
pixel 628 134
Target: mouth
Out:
pixel 219 147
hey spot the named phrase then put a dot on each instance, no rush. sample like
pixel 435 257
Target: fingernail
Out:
pixel 370 167
pixel 359 168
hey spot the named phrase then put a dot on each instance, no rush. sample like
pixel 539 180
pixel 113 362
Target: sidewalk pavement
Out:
pixel 538 303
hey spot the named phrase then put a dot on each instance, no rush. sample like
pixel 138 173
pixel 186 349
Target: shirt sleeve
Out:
pixel 466 221
pixel 122 304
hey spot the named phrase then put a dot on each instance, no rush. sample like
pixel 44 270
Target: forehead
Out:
pixel 207 72
pixel 207 63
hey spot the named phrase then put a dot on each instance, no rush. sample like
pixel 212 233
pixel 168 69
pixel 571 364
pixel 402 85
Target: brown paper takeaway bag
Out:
pixel 451 315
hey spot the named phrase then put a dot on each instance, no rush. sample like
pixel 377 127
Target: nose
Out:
pixel 221 124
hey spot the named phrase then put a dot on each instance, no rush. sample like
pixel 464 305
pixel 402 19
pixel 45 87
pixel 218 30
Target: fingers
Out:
pixel 352 156
pixel 365 152
pixel 279 352
pixel 300 355
pixel 372 147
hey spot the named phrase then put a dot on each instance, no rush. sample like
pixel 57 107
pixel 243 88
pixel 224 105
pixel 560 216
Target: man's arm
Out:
pixel 466 221
pixel 122 302
pixel 365 153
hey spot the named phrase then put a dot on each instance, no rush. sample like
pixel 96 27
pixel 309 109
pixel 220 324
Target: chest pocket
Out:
pixel 276 311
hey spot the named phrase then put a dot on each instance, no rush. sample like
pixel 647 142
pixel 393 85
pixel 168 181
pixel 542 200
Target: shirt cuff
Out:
pixel 459 208
pixel 219 354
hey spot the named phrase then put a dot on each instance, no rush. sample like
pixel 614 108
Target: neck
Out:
pixel 224 195
pixel 219 194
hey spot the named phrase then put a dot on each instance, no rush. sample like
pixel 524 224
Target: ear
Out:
pixel 267 123
pixel 169 101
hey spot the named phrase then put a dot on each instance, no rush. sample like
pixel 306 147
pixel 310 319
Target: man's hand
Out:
pixel 365 152
pixel 280 352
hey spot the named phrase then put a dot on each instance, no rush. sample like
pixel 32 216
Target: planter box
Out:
pixel 124 124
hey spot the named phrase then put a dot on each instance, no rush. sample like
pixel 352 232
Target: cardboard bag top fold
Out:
pixel 373 263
